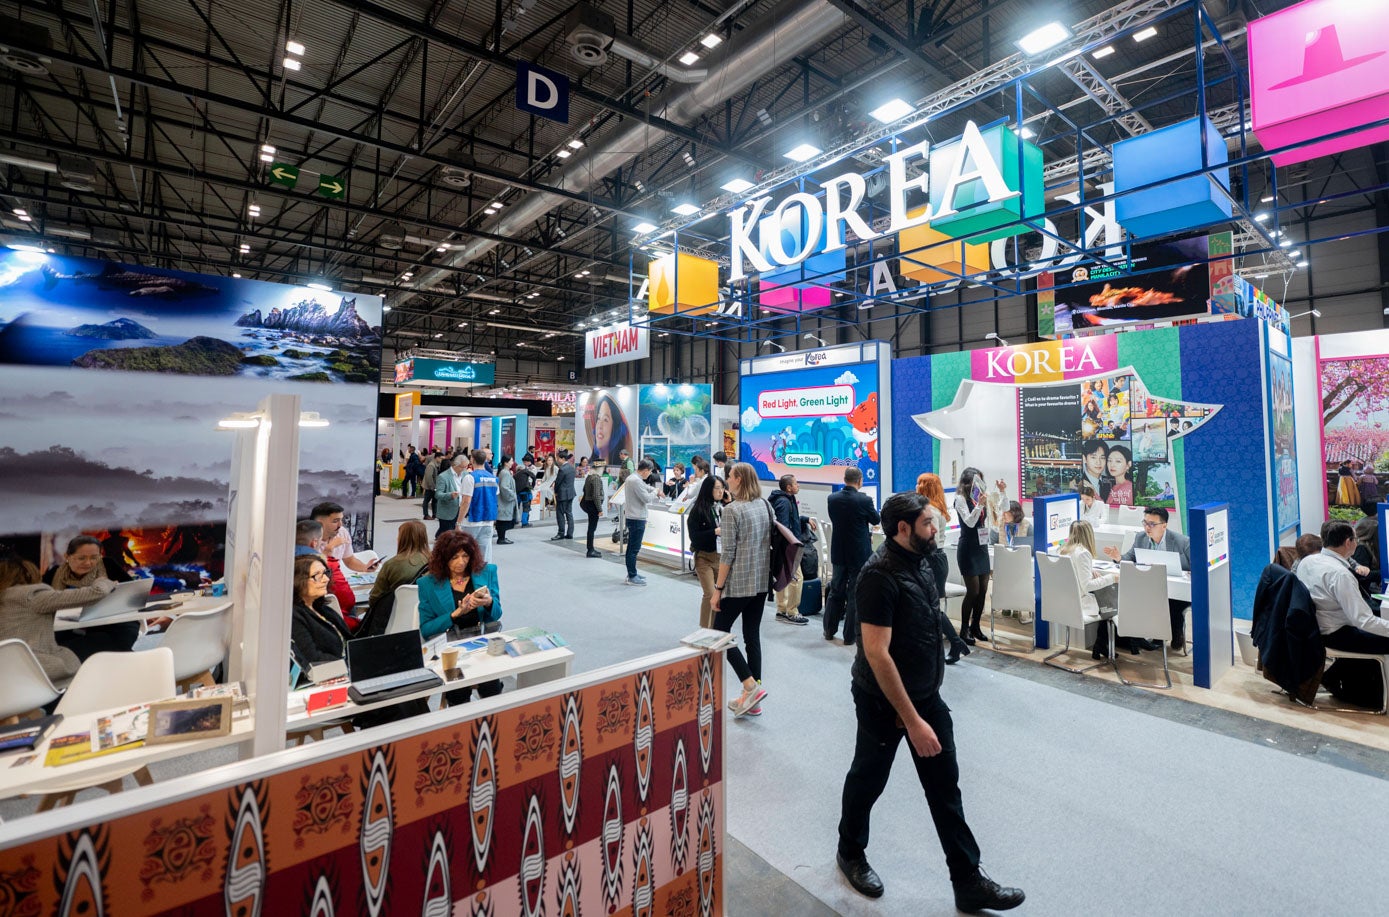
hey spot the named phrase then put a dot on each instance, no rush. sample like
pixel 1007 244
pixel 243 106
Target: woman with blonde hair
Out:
pixel 1097 590
pixel 931 489
pixel 743 580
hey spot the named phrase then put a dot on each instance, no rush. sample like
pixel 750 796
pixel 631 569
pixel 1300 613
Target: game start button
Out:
pixel 803 459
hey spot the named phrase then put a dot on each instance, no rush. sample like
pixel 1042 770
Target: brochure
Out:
pixel 26 734
pixel 708 639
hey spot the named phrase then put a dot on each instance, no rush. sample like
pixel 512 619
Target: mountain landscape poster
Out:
pixel 113 378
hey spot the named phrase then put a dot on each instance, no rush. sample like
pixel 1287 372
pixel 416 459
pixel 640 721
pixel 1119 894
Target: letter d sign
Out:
pixel 542 92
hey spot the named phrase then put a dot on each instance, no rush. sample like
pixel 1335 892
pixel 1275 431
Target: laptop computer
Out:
pixel 125 598
pixel 387 666
pixel 1169 559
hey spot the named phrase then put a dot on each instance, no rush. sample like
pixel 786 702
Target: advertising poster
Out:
pixel 606 424
pixel 545 442
pixel 1107 432
pixel 811 422
pixel 113 378
pixel 506 441
pixel 1096 295
pixel 730 439
pixel 1285 507
pixel 1355 427
pixel 674 422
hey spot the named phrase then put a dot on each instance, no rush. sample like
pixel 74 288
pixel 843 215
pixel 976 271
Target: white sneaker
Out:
pixel 749 699
pixel 637 580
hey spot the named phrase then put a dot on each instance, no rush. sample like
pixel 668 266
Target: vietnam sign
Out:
pixel 619 343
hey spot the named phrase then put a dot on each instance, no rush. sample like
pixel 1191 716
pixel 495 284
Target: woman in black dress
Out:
pixel 972 553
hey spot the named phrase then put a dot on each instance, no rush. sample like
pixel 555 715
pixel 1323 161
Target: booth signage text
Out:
pixel 1048 361
pixel 827 400
pixel 1217 539
pixel 423 370
pixel 619 343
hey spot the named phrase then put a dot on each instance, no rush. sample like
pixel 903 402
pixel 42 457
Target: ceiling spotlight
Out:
pixel 385 308
pixel 1102 53
pixel 736 185
pixel 20 212
pixel 294 47
pixel 319 286
pixel 1044 38
pixel 237 276
pixel 644 227
pixel 803 152
pixel 292 63
pixel 810 337
pixel 267 148
pixel 494 312
pixel 993 336
pixel 1286 243
pixel 564 154
pixel 1303 263
pixel 637 183
pixel 689 57
pixel 1027 133
pixel 685 209
pixel 764 117
pixel 267 157
pixel 245 248
pixel 576 144
pixel 1267 198
pixel 1146 34
pixel 1260 217
pixel 443 247
pixel 895 110
pixel 462 324
pixel 254 210
pixel 689 160
pixel 711 40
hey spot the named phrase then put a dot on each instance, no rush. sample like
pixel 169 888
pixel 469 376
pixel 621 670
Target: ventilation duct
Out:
pixel 35 36
pixel 785 32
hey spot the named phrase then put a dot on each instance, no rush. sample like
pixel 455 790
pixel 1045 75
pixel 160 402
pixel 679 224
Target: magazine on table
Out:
pixel 709 639
pixel 27 734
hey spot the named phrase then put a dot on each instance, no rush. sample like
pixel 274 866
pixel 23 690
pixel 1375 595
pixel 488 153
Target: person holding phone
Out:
pixel 460 590
pixel 975 509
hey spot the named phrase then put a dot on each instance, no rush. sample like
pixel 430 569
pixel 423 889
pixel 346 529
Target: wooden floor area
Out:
pixel 1241 690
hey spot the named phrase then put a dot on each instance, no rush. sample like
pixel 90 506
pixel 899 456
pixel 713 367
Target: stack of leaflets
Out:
pixel 535 641
pixel 709 640
pixel 241 704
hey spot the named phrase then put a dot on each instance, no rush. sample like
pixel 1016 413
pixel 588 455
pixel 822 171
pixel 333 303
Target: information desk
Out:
pixel 665 537
pixel 66 619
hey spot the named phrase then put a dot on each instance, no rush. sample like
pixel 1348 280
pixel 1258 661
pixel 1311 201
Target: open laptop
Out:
pixel 125 598
pixel 387 666
pixel 1169 559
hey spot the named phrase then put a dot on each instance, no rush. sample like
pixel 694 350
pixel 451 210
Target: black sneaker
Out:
pixel 984 894
pixel 792 619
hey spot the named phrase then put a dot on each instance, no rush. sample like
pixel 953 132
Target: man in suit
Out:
pixel 1156 537
pixel 564 496
pixel 851 513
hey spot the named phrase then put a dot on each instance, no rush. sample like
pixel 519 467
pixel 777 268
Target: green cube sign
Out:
pixel 979 184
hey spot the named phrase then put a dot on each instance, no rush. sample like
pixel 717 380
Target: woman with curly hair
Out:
pixel 459 590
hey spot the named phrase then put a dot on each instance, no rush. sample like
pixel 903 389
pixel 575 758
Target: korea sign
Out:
pixel 542 92
pixel 618 343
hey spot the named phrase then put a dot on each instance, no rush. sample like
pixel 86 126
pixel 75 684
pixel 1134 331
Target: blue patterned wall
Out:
pixel 912 447
pixel 1227 462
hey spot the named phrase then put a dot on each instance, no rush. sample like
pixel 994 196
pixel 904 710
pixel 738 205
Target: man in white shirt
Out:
pixel 1345 621
pixel 337 540
pixel 721 465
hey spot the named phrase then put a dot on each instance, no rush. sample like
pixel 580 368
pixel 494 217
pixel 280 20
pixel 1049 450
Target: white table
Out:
pixel 478 667
pixel 35 778
pixel 67 618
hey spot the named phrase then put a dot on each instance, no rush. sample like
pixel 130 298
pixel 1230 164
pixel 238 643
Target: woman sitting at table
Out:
pixel 460 590
pixel 1091 509
pixel 82 566
pixel 1012 525
pixel 1097 590
pixel 410 558
pixel 317 631
pixel 27 607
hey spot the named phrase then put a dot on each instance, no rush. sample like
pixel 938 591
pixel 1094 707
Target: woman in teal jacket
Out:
pixel 460 590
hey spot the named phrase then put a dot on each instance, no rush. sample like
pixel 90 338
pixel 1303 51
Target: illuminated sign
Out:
pixel 1048 361
pixel 424 371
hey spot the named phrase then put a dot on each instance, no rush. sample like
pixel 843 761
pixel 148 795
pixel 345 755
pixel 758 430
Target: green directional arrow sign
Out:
pixel 331 186
pixel 282 174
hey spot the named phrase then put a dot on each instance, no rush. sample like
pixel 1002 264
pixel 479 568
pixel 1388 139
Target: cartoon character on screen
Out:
pixel 864 419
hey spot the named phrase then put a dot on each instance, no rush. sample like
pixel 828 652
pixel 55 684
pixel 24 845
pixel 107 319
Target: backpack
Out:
pixel 786 553
pixel 373 623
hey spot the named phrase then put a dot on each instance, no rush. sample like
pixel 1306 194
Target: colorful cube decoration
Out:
pixel 682 284
pixel 1020 164
pixel 930 256
pixel 1174 206
pixel 1317 68
pixel 805 286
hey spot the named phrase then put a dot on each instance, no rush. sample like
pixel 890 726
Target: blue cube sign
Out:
pixel 1174 206
pixel 542 92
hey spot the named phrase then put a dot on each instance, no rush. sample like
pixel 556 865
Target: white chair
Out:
pixel 1014 588
pixel 1129 515
pixel 104 681
pixel 24 686
pixel 405 614
pixel 199 641
pixel 1062 607
pixel 1382 661
pixel 1143 612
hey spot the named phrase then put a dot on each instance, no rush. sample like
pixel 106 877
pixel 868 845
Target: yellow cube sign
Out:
pixel 930 256
pixel 684 284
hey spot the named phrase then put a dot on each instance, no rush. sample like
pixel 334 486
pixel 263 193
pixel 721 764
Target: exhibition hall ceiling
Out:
pixel 378 147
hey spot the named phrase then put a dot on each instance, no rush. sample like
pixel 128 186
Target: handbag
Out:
pixel 785 553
